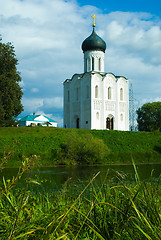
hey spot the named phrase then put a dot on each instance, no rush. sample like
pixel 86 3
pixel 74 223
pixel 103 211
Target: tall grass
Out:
pixel 114 210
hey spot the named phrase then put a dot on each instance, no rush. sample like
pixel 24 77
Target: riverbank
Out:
pixel 56 146
pixel 113 209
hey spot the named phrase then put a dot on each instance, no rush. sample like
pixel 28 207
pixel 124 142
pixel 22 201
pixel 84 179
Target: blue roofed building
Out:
pixel 37 120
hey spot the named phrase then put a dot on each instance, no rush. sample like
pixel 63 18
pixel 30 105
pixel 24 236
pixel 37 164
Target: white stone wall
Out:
pixel 78 92
pixel 86 98
pixel 113 107
pixel 29 123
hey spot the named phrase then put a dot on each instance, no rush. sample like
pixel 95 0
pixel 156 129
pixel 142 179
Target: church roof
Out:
pixel 103 74
pixel 93 42
pixel 36 118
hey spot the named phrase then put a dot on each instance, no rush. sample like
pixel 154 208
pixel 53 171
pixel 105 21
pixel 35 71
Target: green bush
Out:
pixel 82 149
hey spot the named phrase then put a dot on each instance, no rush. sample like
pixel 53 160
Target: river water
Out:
pixel 53 178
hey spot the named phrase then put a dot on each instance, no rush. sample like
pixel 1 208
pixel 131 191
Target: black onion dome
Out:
pixel 93 42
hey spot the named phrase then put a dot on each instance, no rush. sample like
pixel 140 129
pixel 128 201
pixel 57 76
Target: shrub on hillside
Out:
pixel 82 149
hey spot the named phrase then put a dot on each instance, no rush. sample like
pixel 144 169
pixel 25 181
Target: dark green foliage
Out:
pixel 149 117
pixel 10 91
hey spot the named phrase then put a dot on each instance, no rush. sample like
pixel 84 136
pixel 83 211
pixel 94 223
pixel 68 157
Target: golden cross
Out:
pixel 94 17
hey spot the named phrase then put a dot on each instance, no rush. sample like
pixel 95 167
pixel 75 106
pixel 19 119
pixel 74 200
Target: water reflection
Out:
pixel 53 178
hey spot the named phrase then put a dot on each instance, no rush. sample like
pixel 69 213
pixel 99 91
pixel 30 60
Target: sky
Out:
pixel 47 37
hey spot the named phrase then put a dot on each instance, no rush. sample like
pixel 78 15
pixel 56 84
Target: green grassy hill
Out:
pixel 75 146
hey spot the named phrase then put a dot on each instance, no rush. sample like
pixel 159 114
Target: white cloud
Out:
pixel 31 104
pixel 134 51
pixel 34 90
pixel 47 36
pixel 36 104
pixel 56 102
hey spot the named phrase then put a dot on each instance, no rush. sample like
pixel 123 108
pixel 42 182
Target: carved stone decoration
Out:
pixel 109 106
pixel 97 104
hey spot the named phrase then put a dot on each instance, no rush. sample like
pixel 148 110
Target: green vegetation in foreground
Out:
pixel 76 146
pixel 115 210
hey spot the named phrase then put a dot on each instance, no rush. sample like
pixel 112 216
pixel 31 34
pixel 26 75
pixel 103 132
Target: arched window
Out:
pixel 121 94
pixel 109 93
pixel 121 117
pixel 96 91
pixel 87 63
pixel 87 91
pixel 92 63
pixel 99 64
pixel 97 115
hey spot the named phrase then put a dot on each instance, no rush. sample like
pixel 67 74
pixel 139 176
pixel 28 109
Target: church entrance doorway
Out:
pixel 109 123
pixel 77 123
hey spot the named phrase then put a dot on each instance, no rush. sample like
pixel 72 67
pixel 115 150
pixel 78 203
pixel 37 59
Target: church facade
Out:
pixel 95 99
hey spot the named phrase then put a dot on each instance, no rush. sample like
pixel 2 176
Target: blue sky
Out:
pixel 153 7
pixel 47 36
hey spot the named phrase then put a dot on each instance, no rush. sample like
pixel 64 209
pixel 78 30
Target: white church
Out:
pixel 96 99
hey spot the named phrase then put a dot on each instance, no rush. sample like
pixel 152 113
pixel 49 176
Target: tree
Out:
pixel 10 90
pixel 149 117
